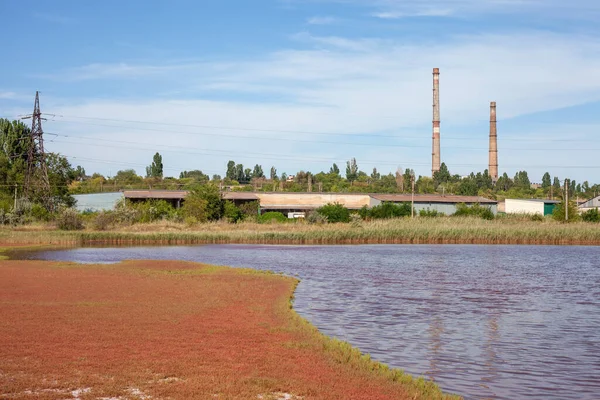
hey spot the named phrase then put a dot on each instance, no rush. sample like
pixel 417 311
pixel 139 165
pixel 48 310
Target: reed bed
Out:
pixel 398 231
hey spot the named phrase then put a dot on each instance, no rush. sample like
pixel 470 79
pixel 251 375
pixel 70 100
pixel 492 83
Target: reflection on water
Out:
pixel 488 322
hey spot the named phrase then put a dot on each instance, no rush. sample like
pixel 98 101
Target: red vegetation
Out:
pixel 162 329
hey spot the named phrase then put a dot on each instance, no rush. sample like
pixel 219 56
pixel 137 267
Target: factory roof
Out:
pixel 432 198
pixel 545 201
pixel 155 194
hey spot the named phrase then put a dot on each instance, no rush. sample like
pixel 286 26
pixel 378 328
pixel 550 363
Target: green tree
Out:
pixel 546 181
pixel 258 172
pixel 127 177
pixel 375 175
pixel 559 212
pixel 442 176
pixel 334 170
pixel 196 175
pixel 155 170
pixel 351 170
pixel 273 173
pixel 335 212
pixel 556 184
pixel 204 203
pixel 231 171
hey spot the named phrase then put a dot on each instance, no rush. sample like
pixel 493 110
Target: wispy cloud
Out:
pixel 54 18
pixel 394 9
pixel 358 86
pixel 317 20
pixel 7 95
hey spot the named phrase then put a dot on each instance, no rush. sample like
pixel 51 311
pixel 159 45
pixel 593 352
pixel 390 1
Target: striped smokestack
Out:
pixel 435 154
pixel 493 170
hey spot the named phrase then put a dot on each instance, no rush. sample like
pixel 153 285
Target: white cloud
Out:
pixel 54 18
pixel 350 86
pixel 7 95
pixel 317 20
pixel 392 9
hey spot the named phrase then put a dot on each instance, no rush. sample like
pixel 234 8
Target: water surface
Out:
pixel 486 322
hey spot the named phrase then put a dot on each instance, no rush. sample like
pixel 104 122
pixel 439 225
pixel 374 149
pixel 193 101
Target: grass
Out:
pixel 399 231
pixel 176 330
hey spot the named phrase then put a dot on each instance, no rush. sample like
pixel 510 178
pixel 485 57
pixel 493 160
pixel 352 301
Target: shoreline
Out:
pixel 474 232
pixel 271 315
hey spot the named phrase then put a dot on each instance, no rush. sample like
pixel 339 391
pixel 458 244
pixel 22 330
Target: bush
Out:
pixel 69 220
pixel 232 213
pixel 559 212
pixel 536 217
pixel 431 213
pixel 591 215
pixel 190 221
pixel 250 210
pixel 271 217
pixel 335 213
pixel 387 210
pixel 154 210
pixel 316 217
pixel 40 213
pixel 103 220
pixel 476 210
pixel 204 203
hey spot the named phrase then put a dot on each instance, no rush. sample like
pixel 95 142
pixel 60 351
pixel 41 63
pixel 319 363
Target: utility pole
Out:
pixel 566 200
pixel 412 206
pixel 36 157
pixel 15 207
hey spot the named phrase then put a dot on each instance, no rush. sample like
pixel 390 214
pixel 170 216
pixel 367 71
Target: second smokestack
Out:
pixel 493 169
pixel 435 154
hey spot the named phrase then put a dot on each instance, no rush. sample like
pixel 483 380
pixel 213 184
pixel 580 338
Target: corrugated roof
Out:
pixel 538 201
pixel 432 198
pixel 155 194
pixel 240 196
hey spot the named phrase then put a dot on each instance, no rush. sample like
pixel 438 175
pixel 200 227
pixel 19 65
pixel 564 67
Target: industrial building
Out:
pixel 97 201
pixel 590 204
pixel 530 206
pixel 295 204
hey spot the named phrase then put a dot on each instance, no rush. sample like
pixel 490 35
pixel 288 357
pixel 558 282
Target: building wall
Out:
pixel 311 200
pixel 97 201
pixel 445 208
pixel 517 206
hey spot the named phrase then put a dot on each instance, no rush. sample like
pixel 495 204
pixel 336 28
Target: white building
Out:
pixel 590 204
pixel 529 206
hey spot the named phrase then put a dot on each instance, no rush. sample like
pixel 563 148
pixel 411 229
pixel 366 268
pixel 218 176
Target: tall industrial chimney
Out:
pixel 435 154
pixel 493 170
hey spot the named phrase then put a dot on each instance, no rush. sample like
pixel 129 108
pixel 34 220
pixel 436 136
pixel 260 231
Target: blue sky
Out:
pixel 302 84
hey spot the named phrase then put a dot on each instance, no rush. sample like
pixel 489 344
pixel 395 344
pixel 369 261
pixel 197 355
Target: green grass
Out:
pixel 399 231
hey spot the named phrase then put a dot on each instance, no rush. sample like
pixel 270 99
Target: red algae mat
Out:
pixel 163 329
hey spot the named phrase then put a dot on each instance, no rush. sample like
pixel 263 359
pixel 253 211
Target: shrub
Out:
pixel 536 217
pixel 387 210
pixel 103 220
pixel 591 215
pixel 195 207
pixel 40 213
pixel 232 213
pixel 316 217
pixel 206 202
pixel 476 210
pixel 335 212
pixel 69 220
pixel 154 210
pixel 559 212
pixel 431 213
pixel 250 210
pixel 190 221
pixel 271 217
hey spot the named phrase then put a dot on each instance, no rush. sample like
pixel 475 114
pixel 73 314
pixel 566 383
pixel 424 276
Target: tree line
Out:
pixel 353 179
